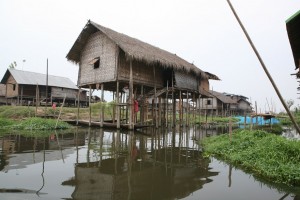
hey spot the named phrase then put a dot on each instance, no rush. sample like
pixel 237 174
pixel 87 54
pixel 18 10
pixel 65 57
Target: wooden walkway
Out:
pixel 105 124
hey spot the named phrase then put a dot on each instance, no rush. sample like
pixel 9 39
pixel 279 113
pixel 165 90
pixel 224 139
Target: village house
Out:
pixel 115 62
pixel 224 104
pixel 27 88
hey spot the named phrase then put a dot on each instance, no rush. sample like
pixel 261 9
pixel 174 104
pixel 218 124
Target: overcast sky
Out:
pixel 203 32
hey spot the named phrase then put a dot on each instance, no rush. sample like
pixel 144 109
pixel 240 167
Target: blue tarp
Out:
pixel 260 120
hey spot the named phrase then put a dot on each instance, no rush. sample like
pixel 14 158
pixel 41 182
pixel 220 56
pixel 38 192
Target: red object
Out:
pixel 54 106
pixel 136 106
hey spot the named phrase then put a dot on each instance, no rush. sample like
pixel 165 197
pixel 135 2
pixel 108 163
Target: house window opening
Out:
pixel 208 102
pixel 95 62
pixel 14 87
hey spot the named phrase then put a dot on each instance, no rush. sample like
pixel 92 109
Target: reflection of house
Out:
pixel 23 87
pixel 27 151
pixel 293 30
pixel 121 178
pixel 223 104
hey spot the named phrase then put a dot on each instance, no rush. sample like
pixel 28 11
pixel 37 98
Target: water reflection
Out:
pixel 110 164
pixel 130 166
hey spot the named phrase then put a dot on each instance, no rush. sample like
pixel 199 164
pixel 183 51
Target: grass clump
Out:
pixel 16 112
pixel 266 155
pixel 33 123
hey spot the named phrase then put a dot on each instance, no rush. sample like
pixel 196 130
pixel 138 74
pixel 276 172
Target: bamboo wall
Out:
pixel 11 91
pixel 143 73
pixel 62 92
pixel 186 80
pixel 101 46
pixel 204 84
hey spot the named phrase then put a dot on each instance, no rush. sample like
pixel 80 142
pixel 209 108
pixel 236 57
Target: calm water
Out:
pixel 104 164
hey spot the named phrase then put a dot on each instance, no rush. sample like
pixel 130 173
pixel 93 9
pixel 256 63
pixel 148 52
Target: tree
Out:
pixel 13 65
pixel 290 103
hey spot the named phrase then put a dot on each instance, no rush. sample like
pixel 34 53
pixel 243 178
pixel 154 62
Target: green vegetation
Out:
pixel 16 112
pixel 33 123
pixel 264 154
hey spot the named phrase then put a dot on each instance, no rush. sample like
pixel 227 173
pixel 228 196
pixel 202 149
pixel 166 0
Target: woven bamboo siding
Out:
pixel 142 73
pixel 98 45
pixel 12 87
pixel 61 92
pixel 185 81
pixel 29 90
pixel 204 84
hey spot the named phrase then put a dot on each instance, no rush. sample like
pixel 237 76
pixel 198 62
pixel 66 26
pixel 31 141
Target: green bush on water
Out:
pixel 33 123
pixel 266 155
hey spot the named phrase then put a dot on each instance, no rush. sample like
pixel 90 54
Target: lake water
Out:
pixel 155 164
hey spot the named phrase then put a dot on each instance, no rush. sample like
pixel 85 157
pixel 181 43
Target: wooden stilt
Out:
pixel 131 123
pixel 159 112
pixel 142 106
pixel 78 104
pixel 118 106
pixel 167 105
pixel 180 109
pixel 102 106
pixel 187 114
pixel 90 107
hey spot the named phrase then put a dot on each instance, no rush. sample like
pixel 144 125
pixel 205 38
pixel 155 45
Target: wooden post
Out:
pixel 118 106
pixel 180 109
pixel 131 125
pixel 159 112
pixel 78 105
pixel 187 108
pixel 90 107
pixel 167 105
pixel 21 95
pixel 37 98
pixel 102 106
pixel 194 114
pixel 142 106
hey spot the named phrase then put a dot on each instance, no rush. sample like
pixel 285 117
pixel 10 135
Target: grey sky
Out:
pixel 203 32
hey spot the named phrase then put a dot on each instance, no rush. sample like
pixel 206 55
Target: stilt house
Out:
pixel 113 61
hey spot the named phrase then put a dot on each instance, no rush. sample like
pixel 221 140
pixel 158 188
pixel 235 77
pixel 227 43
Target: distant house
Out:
pixel 26 88
pixel 223 104
pixel 242 106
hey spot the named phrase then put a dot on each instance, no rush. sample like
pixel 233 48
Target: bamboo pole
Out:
pixel 60 111
pixel 265 69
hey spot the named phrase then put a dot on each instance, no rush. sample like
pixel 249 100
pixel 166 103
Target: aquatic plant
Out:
pixel 264 154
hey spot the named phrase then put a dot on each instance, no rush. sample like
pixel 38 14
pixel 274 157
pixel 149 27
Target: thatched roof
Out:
pixel 293 30
pixel 134 49
pixel 33 78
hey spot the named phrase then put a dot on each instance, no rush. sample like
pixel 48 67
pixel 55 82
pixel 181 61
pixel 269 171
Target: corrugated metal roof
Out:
pixel 33 78
pixel 222 97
